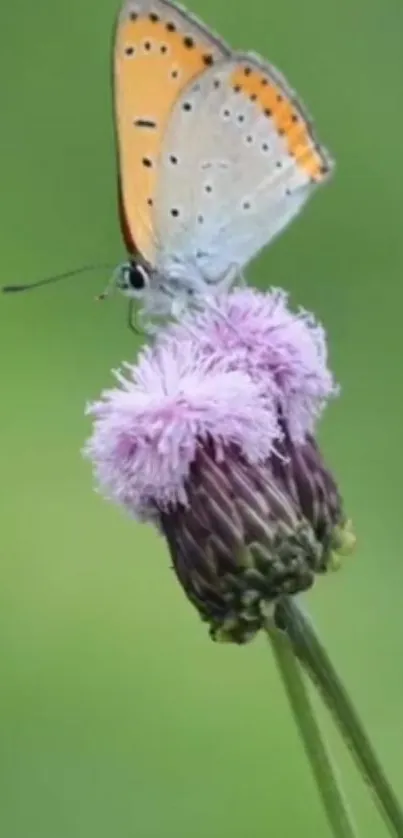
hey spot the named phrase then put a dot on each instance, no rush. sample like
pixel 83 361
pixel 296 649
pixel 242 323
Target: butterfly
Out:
pixel 216 155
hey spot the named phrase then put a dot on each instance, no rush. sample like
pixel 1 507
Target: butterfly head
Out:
pixel 158 295
pixel 132 278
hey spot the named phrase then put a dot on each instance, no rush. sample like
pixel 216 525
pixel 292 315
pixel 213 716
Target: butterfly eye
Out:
pixel 132 279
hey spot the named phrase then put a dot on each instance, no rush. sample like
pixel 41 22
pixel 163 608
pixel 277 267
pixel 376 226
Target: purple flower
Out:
pixel 255 331
pixel 147 431
pixel 201 449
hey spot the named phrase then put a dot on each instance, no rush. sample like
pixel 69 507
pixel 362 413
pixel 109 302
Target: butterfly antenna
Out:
pixel 13 289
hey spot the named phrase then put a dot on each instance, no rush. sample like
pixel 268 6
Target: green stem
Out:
pixel 332 796
pixel 314 658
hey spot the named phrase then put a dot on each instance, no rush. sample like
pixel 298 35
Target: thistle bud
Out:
pixel 204 447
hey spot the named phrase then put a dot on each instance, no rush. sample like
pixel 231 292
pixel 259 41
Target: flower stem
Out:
pixel 339 817
pixel 312 654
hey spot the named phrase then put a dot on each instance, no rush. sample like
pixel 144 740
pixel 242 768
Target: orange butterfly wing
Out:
pixel 263 84
pixel 159 49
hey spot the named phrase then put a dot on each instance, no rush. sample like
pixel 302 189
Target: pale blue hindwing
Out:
pixel 227 184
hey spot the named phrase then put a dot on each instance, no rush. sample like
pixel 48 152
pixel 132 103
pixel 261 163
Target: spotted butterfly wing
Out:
pixel 252 162
pixel 159 49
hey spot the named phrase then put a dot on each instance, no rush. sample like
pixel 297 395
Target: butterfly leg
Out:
pixel 229 278
pixel 131 318
pixel 179 306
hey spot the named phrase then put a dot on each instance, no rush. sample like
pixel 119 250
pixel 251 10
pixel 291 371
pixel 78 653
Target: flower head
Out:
pixel 148 429
pixel 201 449
pixel 256 331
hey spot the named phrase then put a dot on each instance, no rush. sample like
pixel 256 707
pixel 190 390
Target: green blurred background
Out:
pixel 117 715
